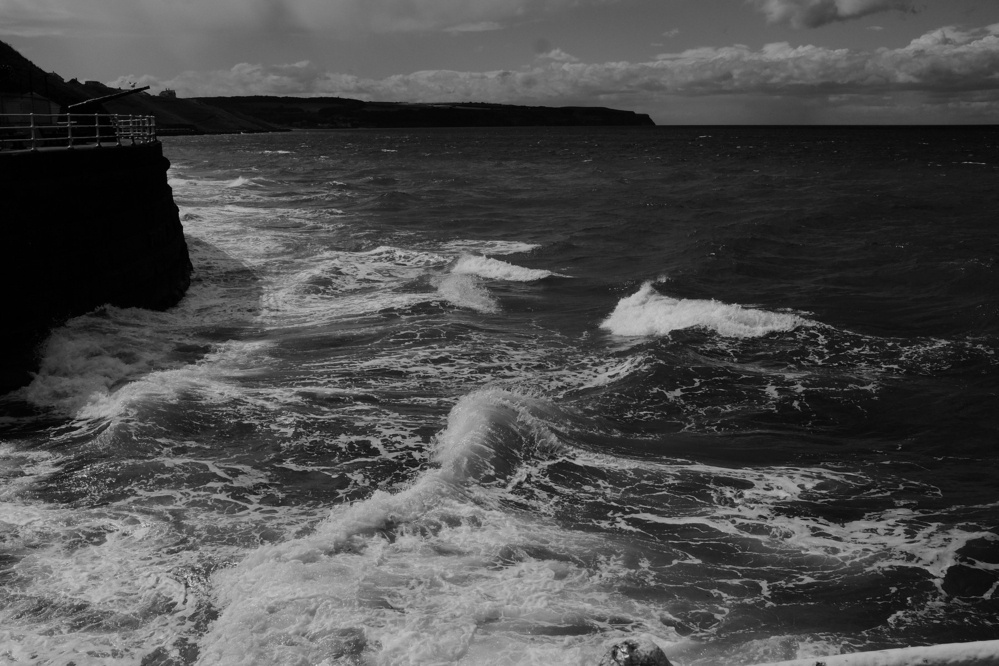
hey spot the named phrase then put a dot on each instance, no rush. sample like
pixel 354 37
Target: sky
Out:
pixel 680 61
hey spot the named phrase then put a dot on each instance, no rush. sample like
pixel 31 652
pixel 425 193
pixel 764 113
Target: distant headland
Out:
pixel 214 115
pixel 222 115
pixel 340 113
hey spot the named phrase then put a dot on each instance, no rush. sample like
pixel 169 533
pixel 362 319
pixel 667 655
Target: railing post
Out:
pixel 128 130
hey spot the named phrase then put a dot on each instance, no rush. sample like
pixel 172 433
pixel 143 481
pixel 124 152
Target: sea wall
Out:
pixel 80 228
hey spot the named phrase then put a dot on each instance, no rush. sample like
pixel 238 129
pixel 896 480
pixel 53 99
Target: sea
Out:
pixel 509 396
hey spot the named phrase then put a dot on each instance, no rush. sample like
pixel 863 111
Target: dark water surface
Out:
pixel 506 396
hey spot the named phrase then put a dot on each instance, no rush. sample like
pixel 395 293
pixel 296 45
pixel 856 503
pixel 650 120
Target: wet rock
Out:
pixel 638 651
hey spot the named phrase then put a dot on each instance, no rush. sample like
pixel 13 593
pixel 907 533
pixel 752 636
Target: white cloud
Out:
pixel 815 13
pixel 948 65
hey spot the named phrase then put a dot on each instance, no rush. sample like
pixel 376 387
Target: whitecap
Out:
pixel 495 269
pixel 466 292
pixel 438 572
pixel 240 181
pixel 489 247
pixel 649 313
pixel 490 433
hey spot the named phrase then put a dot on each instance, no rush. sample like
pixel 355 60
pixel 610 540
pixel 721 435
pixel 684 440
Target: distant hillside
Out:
pixel 178 116
pixel 217 115
pixel 18 75
pixel 338 112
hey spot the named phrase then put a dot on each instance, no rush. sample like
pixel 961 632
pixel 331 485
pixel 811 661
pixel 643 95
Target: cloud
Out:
pixel 944 66
pixel 338 17
pixel 815 13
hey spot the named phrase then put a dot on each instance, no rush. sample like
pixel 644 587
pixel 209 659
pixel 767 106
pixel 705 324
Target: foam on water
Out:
pixel 316 287
pixel 240 181
pixel 89 364
pixel 485 247
pixel 490 432
pixel 497 270
pixel 437 572
pixel 649 313
pixel 466 291
pixel 254 476
pixel 105 584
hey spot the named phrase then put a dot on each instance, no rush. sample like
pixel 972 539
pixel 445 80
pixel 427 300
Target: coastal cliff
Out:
pixel 83 228
pixel 227 115
pixel 342 113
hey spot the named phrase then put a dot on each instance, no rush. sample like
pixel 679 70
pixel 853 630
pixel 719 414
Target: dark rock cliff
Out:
pixel 82 228
pixel 338 112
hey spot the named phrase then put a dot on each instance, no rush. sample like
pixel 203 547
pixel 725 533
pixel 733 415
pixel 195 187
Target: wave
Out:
pixel 351 284
pixel 489 247
pixel 649 313
pixel 491 432
pixel 462 287
pixel 96 365
pixel 465 292
pixel 438 572
pixel 239 181
pixel 498 270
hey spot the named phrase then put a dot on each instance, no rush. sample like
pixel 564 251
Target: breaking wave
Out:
pixel 495 269
pixel 649 313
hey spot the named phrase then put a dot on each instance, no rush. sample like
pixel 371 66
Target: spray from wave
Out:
pixel 649 313
pixel 465 291
pixel 437 572
pixel 494 269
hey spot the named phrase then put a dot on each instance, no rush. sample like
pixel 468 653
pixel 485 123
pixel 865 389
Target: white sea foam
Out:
pixel 108 584
pixel 495 269
pixel 351 284
pixel 435 573
pixel 490 432
pixel 754 509
pixel 465 291
pixel 487 247
pixel 239 181
pixel 89 375
pixel 603 372
pixel 649 313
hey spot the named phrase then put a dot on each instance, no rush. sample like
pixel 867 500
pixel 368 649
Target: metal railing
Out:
pixel 33 131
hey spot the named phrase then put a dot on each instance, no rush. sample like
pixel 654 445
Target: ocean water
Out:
pixel 508 396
